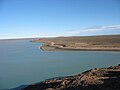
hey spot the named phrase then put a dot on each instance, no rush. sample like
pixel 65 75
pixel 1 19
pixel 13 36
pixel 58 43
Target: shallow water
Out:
pixel 22 62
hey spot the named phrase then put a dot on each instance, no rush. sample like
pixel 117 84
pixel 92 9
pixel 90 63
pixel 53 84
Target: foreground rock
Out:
pixel 94 79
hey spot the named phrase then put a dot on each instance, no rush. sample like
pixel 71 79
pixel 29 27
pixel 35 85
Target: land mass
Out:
pixel 94 79
pixel 95 43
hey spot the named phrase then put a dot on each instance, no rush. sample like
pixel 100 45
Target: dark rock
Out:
pixel 94 79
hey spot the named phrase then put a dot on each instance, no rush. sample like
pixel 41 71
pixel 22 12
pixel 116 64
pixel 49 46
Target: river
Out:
pixel 22 62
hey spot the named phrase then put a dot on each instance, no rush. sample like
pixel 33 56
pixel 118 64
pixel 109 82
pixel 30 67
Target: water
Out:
pixel 21 62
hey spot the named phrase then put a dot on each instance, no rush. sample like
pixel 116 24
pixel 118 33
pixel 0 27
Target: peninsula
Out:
pixel 94 43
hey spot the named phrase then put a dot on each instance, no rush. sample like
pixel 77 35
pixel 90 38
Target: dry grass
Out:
pixel 82 42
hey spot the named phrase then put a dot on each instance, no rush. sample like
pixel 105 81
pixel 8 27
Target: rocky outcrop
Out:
pixel 94 79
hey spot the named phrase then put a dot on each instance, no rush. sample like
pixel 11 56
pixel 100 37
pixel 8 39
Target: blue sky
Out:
pixel 44 18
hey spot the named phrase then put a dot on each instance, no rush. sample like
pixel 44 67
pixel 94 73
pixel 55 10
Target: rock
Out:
pixel 94 79
pixel 118 64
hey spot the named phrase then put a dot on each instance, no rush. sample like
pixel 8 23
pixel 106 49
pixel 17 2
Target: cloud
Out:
pixel 94 29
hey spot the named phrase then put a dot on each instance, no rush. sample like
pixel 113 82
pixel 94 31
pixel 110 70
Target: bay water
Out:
pixel 23 63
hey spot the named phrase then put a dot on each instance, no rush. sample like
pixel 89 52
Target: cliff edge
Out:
pixel 94 79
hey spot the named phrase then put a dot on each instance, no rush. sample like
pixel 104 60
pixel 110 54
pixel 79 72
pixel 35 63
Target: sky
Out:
pixel 48 18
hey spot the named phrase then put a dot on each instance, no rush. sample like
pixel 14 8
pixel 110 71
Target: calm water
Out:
pixel 21 62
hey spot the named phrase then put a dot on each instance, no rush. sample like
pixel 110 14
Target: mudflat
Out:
pixel 94 43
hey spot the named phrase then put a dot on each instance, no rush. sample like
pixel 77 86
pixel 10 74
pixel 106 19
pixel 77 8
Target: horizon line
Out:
pixel 21 38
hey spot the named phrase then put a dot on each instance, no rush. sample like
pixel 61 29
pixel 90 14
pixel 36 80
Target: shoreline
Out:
pixel 93 48
pixel 81 43
pixel 93 79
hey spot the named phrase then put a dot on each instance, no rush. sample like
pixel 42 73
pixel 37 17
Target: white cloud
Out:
pixel 94 29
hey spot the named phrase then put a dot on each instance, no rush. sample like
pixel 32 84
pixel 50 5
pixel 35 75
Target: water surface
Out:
pixel 21 62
